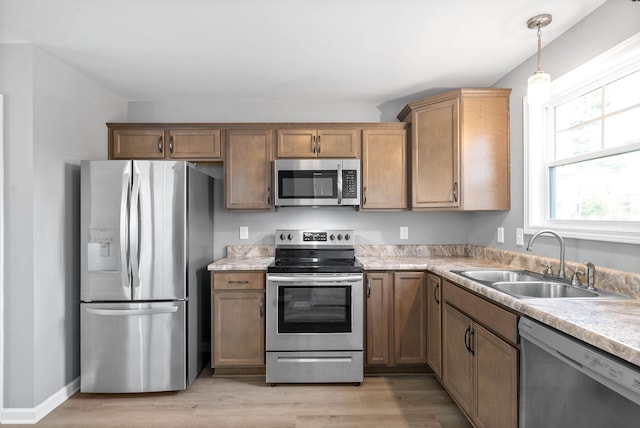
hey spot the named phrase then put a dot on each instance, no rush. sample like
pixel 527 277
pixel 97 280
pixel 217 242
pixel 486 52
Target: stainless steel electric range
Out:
pixel 315 316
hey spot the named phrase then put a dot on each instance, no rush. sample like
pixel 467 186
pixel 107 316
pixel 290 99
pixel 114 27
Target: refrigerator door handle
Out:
pixel 131 312
pixel 134 230
pixel 125 269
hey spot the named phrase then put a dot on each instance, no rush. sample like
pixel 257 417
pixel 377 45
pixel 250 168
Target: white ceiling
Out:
pixel 276 50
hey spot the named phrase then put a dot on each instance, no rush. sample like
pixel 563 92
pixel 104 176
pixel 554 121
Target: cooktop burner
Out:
pixel 315 251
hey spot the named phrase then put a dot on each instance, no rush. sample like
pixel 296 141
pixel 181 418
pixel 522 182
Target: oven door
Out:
pixel 314 312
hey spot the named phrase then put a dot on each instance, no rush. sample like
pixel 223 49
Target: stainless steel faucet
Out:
pixel 591 275
pixel 560 241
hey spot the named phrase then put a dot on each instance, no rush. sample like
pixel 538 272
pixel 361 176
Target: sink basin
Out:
pixel 542 290
pixel 491 276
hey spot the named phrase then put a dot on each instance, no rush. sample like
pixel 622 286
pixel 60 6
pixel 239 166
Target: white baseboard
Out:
pixel 32 415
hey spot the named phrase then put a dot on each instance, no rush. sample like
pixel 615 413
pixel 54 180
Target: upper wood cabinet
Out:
pixel 460 150
pixel 195 144
pixel 176 141
pixel 318 143
pixel 384 169
pixel 136 143
pixel 247 169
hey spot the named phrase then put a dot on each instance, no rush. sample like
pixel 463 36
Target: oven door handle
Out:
pixel 314 280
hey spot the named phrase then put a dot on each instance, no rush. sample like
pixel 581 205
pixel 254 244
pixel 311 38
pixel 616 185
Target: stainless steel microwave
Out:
pixel 316 182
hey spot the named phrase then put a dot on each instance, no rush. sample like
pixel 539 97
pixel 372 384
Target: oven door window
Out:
pixel 309 309
pixel 308 184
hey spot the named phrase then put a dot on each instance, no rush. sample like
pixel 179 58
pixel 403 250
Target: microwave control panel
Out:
pixel 349 183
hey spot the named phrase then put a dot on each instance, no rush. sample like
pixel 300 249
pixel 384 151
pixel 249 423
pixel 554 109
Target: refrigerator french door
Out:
pixel 147 237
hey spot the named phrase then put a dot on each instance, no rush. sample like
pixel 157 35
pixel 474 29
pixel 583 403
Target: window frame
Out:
pixel 615 63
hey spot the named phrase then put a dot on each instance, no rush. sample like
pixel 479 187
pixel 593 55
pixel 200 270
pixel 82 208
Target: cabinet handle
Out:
pixel 455 192
pixel 471 334
pixel 364 196
pixel 268 195
pixel 466 338
pixel 313 143
pixel 171 144
pixel 368 288
pixel 237 282
pixel 318 143
pixel 160 144
pixel 262 307
pixel 436 292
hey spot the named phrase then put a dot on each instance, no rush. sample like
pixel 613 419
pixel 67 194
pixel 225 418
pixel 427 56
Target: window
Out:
pixel 583 151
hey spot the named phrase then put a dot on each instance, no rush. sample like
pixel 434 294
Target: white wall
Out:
pixel 609 25
pixel 54 117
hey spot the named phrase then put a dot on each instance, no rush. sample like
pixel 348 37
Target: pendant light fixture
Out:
pixel 539 85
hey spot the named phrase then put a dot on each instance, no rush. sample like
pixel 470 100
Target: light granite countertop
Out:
pixel 611 325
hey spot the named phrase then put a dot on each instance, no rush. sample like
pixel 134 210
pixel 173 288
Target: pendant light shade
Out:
pixel 539 85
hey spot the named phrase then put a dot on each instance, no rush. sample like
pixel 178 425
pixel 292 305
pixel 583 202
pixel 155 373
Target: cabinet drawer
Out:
pixel 500 321
pixel 238 281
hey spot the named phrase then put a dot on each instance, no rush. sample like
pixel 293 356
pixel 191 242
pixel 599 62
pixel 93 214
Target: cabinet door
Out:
pixel 297 143
pixel 384 169
pixel 247 169
pixel 434 323
pixel 137 144
pixel 238 328
pixel 457 361
pixel 409 318
pixel 436 155
pixel 338 143
pixel 378 300
pixel 496 377
pixel 196 144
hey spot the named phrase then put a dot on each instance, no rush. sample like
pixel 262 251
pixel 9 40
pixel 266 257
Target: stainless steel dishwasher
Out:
pixel 567 383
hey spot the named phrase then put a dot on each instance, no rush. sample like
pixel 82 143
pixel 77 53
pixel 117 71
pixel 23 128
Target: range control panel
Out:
pixel 315 238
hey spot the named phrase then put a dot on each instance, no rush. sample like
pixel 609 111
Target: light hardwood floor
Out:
pixel 381 401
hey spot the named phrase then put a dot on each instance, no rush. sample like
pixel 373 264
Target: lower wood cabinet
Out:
pixel 479 367
pixel 238 319
pixel 396 318
pixel 434 323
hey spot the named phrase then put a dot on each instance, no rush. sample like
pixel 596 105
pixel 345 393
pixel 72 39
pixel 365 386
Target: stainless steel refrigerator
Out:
pixel 146 238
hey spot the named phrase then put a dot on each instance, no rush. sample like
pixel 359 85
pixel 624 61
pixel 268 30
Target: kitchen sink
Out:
pixel 542 290
pixel 524 284
pixel 492 276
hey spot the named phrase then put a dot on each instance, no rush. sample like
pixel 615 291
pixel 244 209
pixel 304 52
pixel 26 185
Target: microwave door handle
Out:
pixel 339 184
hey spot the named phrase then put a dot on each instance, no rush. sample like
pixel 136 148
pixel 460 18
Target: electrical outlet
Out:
pixel 500 235
pixel 404 232
pixel 244 232
pixel 520 237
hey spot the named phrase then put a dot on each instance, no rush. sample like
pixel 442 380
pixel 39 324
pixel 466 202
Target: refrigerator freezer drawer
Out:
pixel 133 347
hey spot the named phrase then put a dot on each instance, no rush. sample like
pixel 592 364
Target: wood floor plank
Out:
pixel 380 401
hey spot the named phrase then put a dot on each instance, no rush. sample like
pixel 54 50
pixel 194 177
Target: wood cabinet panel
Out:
pixel 434 323
pixel 195 144
pixel 247 169
pixel 318 143
pixel 137 144
pixel 238 329
pixel 239 281
pixel 436 162
pixel 496 369
pixel 409 318
pixel 384 169
pixel 377 306
pixel 457 364
pixel 500 321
